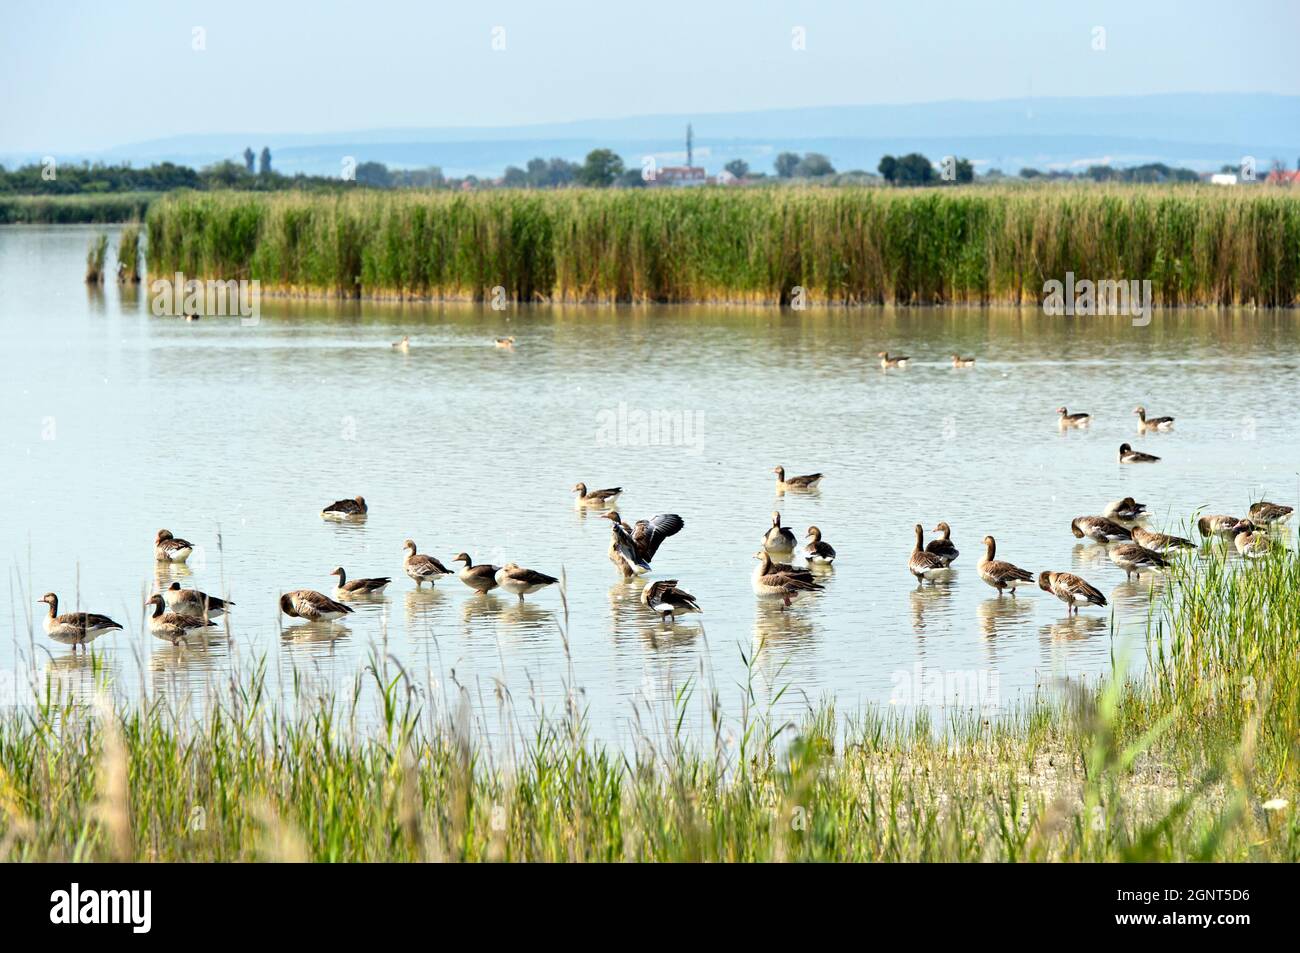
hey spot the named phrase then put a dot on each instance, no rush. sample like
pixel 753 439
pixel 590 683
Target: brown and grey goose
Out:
pixel 771 583
pixel 346 509
pixel 888 360
pixel 1218 524
pixel 999 573
pixel 924 565
pixel 1073 590
pixel 959 361
pixel 1265 513
pixel 1127 510
pixel 1067 419
pixel 174 627
pixel 349 588
pixel 505 342
pixel 404 344
pixel 194 603
pixel 665 598
pixel 1153 423
pixel 631 548
pixel 1135 559
pixel 1160 542
pixel 74 628
pixel 481 578
pixel 521 582
pixel 816 550
pixel 168 549
pixel 1099 528
pixel 808 481
pixel 1248 542
pixel 312 605
pixel 943 547
pixel 779 539
pixel 1128 455
pixel 596 497
pixel 420 567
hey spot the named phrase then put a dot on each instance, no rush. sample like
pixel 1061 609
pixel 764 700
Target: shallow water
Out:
pixel 117 422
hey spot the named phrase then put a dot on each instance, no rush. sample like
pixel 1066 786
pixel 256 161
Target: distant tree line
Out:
pixel 1150 173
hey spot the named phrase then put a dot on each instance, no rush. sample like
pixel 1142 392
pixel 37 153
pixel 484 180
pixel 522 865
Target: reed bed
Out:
pixel 845 246
pixel 1197 761
pixel 74 209
pixel 128 254
pixel 96 253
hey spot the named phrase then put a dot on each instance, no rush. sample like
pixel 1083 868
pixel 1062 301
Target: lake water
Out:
pixel 117 423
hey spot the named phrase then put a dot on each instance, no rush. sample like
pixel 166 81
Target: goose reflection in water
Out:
pixel 310 632
pixel 421 605
pixel 780 630
pixel 999 617
pixel 1088 555
pixel 1075 628
pixel 934 600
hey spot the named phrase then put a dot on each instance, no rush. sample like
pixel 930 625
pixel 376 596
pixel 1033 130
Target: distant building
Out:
pixel 1283 177
pixel 681 175
pixel 1223 178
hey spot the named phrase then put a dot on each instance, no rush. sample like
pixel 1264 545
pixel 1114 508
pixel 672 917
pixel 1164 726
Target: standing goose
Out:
pixel 1135 559
pixel 771 583
pixel 924 565
pixel 1155 423
pixel 515 579
pixel 633 547
pixel 666 599
pixel 74 628
pixel 481 578
pixel 345 509
pixel 1073 590
pixel 1128 455
pixel 1127 510
pixel 1067 419
pixel 596 497
pixel 808 481
pixel 346 588
pixel 1098 528
pixel 173 627
pixel 1160 542
pixel 420 567
pixel 779 539
pixel 1248 542
pixel 1265 513
pixel 943 546
pixel 998 573
pixel 168 549
pixel 1217 525
pixel 313 606
pixel 817 551
pixel 897 360
pixel 959 361
pixel 193 602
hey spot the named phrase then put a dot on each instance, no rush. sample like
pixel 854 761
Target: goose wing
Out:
pixel 87 621
pixel 309 602
pixel 1066 585
pixel 665 592
pixel 604 494
pixel 808 479
pixel 426 565
pixel 648 535
pixel 366 585
pixel 343 506
pixel 943 548
pixel 789 582
pixel 922 561
pixel 1003 571
pixel 529 577
pixel 623 549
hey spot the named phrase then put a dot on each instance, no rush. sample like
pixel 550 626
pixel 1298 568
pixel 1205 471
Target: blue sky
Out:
pixel 91 75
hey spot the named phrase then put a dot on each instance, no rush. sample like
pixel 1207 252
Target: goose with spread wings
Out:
pixel 632 547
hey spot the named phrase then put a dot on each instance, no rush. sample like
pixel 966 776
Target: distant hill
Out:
pixel 1199 131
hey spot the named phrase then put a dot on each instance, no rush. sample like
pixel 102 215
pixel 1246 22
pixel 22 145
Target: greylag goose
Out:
pixel 312 605
pixel 420 567
pixel 959 361
pixel 816 550
pixel 596 497
pixel 1127 510
pixel 173 627
pixel 515 579
pixel 1128 455
pixel 943 546
pixel 193 602
pixel 632 547
pixel 806 482
pixel 1155 423
pixel 1073 590
pixel 1067 419
pixel 1248 542
pixel 1098 528
pixel 1265 513
pixel 481 578
pixel 924 565
pixel 1160 542
pixel 74 628
pixel 358 587
pixel 666 599
pixel 168 549
pixel 506 342
pixel 771 583
pixel 998 573
pixel 404 344
pixel 1218 524
pixel 896 360
pixel 779 539
pixel 345 509
pixel 1134 559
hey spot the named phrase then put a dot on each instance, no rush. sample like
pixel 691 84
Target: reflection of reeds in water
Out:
pixel 128 255
pixel 95 256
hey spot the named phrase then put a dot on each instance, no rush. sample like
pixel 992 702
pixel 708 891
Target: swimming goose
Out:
pixel 632 547
pixel 522 582
pixel 1098 528
pixel 345 509
pixel 665 598
pixel 1073 590
pixel 193 602
pixel 897 360
pixel 1266 513
pixel 959 361
pixel 1216 525
pixel 807 482
pixel 420 567
pixel 924 565
pixel 1248 542
pixel 1155 423
pixel 817 551
pixel 779 539
pixel 1127 510
pixel 771 583
pixel 998 573
pixel 1128 455
pixel 481 578
pixel 168 549
pixel 1067 419
pixel 596 497
pixel 358 587
pixel 1134 559
pixel 506 342
pixel 404 344
pixel 173 627
pixel 1160 542
pixel 313 606
pixel 74 628
pixel 943 546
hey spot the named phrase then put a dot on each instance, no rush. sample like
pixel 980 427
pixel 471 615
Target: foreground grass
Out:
pixel 1197 245
pixel 1177 767
pixel 74 209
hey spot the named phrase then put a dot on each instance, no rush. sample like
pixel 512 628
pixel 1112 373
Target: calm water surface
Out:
pixel 117 422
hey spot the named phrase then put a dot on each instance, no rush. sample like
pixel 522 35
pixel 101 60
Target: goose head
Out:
pixel 943 528
pixel 463 558
pixel 286 606
pixel 780 472
pixel 409 547
pixel 990 546
pixel 175 587
pixel 1061 410
pixel 814 533
pixel 776 519
pixel 612 516
pixel 1045 581
pixel 337 571
pixel 162 535
pixel 50 599
pixel 361 501
pixel 1140 410
pixel 580 489
pixel 156 600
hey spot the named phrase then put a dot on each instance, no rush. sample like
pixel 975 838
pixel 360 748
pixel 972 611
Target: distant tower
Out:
pixel 690 139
